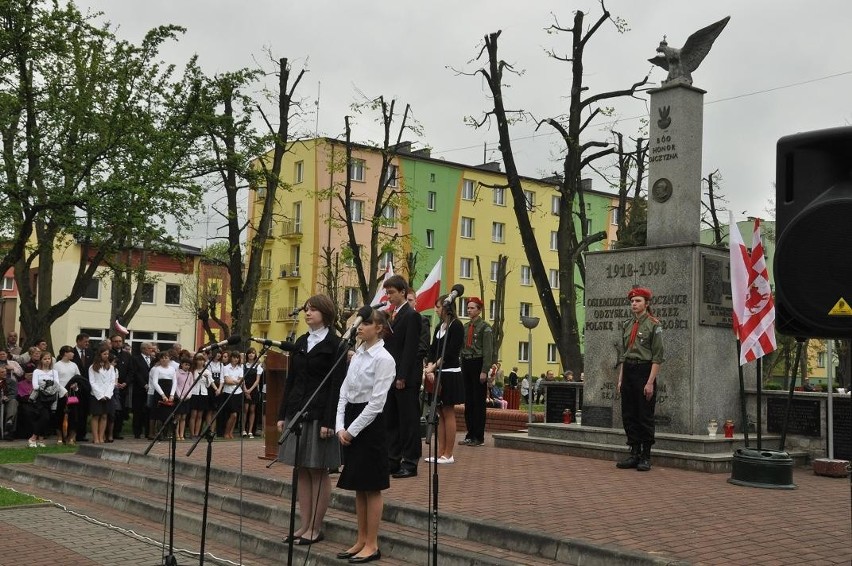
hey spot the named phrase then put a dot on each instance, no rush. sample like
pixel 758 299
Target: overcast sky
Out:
pixel 780 67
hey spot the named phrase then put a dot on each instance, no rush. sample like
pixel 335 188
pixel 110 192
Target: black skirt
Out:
pixel 365 460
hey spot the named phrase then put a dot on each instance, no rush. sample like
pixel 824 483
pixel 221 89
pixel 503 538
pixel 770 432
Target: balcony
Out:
pixel 291 229
pixel 289 271
pixel 260 314
pixel 284 313
pixel 265 274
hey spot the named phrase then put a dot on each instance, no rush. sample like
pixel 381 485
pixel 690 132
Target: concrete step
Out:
pixel 577 445
pixel 256 516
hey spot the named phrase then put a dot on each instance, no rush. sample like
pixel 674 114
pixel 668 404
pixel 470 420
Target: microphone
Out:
pixel 229 342
pixel 280 344
pixel 381 305
pixel 456 292
pixel 363 312
pixel 296 311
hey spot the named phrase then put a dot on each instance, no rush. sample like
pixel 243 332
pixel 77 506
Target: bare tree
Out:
pixel 500 303
pixel 710 206
pixel 562 318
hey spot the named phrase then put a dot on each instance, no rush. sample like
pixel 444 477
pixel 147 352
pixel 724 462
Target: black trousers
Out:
pixel 402 418
pixel 475 393
pixel 139 407
pixel 637 413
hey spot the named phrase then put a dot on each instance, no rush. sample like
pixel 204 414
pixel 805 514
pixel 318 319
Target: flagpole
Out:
pixel 759 401
pixel 799 344
pixel 743 410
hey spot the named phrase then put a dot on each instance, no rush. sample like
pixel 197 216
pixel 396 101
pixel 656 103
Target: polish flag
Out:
pixel 757 327
pixel 428 293
pixel 381 296
pixel 740 266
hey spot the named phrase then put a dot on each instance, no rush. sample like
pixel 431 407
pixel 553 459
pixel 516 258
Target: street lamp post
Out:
pixel 529 323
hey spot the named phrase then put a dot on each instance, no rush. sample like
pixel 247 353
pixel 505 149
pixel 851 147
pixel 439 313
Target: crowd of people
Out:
pixel 94 390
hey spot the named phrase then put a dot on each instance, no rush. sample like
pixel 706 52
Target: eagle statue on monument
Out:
pixel 681 62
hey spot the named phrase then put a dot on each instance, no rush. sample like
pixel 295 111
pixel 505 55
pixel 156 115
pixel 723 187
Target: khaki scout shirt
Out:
pixel 648 346
pixel 483 343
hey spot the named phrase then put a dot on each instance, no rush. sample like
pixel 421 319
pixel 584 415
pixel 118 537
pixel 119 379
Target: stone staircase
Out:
pixel 689 452
pixel 250 513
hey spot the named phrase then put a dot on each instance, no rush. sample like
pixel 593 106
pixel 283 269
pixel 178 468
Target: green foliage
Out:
pixel 9 498
pixel 28 455
pixel 635 230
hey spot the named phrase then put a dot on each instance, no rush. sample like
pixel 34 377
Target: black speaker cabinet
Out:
pixel 813 253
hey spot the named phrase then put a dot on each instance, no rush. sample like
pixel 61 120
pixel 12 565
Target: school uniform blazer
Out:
pixel 404 345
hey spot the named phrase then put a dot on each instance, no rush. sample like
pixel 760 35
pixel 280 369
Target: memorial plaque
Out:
pixel 597 416
pixel 805 416
pixel 842 421
pixel 558 398
pixel 715 307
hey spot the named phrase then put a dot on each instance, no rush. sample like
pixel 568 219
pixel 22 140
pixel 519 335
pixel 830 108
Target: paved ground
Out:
pixel 691 516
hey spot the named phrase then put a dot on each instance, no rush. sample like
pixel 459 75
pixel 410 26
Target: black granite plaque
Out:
pixel 842 421
pixel 597 416
pixel 805 416
pixel 558 398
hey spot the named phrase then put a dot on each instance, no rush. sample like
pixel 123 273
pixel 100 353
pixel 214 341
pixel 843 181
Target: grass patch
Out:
pixel 9 498
pixel 28 455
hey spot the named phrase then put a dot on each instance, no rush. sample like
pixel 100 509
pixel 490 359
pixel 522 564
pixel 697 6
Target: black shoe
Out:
pixel 302 541
pixel 118 438
pixel 630 462
pixel 644 465
pixel 345 555
pixel 465 442
pixel 404 473
pixel 364 559
pixel 477 443
pixel 287 539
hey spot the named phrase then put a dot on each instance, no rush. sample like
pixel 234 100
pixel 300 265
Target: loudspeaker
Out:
pixel 813 252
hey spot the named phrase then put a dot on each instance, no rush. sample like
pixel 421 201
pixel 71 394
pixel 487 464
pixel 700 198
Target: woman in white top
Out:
pixel 251 396
pixel 161 380
pixel 361 431
pixel 198 402
pixel 69 378
pixel 103 379
pixel 232 376
pixel 45 379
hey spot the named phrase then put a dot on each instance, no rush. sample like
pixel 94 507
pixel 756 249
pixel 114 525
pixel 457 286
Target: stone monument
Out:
pixel 690 281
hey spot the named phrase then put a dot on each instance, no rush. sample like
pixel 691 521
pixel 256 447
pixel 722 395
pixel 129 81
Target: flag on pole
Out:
pixel 740 266
pixel 381 296
pixel 757 327
pixel 430 290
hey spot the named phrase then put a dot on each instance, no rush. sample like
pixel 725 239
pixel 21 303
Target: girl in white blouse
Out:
pixel 161 380
pixel 232 376
pixel 198 402
pixel 103 379
pixel 360 428
pixel 43 377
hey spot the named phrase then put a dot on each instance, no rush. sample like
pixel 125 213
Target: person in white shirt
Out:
pixel 199 403
pixel 251 396
pixel 68 373
pixel 362 434
pixel 103 379
pixel 45 379
pixel 232 376
pixel 161 380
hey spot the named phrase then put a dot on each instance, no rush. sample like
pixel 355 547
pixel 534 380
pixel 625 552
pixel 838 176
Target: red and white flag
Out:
pixel 428 293
pixel 381 296
pixel 740 267
pixel 757 325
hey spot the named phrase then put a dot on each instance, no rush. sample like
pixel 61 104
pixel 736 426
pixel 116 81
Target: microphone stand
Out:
pixel 170 559
pixel 294 426
pixel 209 434
pixel 431 424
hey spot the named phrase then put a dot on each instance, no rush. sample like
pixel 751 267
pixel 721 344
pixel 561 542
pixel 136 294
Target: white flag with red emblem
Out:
pixel 740 267
pixel 757 325
pixel 428 293
pixel 381 296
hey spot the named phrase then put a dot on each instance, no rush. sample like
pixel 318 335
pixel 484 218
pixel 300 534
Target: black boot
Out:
pixel 644 464
pixel 631 461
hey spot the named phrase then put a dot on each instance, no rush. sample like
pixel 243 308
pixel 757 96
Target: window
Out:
pixel 148 293
pixel 389 216
pixel 615 216
pixel 499 196
pixel 172 294
pixel 497 232
pixel 523 351
pixel 299 173
pixel 492 309
pixel 357 169
pixel 295 255
pixel 431 200
pixel 260 193
pixel 551 353
pixel 554 205
pixel 350 298
pixel 525 275
pixel 465 270
pixel 466 227
pixel 588 226
pixel 385 259
pixel 431 177
pixel 529 196
pixel 554 240
pixel 495 267
pixel 392 176
pixel 93 289
pixel 8 283
pixel 526 309
pixel 356 210
pixel 821 359
pixel 294 298
pixel 553 277
pixel 468 190
pixel 297 217
pixel 430 238
pixel 347 254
